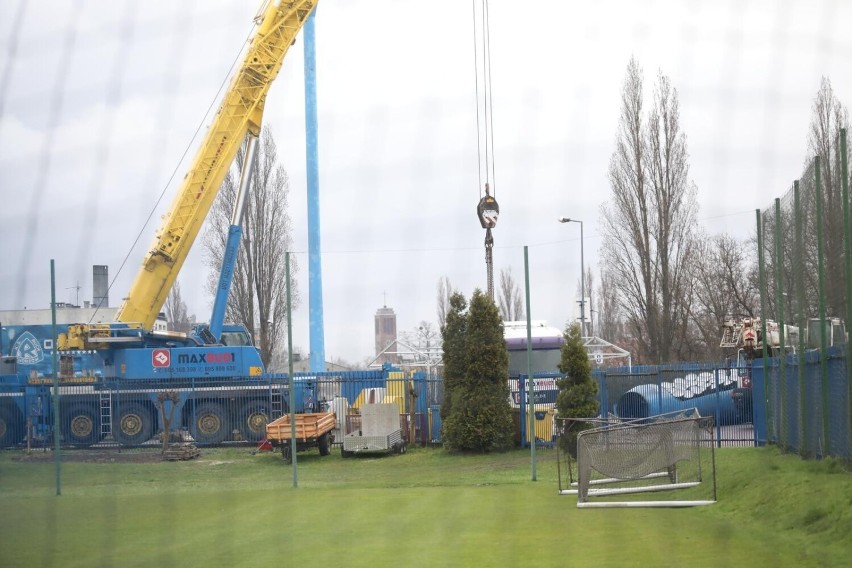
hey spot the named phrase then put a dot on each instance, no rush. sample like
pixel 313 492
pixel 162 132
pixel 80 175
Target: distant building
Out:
pixel 65 314
pixel 100 285
pixel 386 335
pixel 68 314
pixel 161 324
pixel 96 311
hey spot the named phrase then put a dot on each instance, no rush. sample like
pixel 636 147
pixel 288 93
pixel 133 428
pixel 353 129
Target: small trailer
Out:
pixel 313 430
pixel 379 432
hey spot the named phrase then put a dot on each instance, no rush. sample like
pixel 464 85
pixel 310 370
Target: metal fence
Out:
pixel 718 390
pixel 807 408
pixel 805 281
pixel 801 408
pixel 206 411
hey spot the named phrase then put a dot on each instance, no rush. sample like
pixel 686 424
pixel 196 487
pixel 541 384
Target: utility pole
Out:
pixel 582 277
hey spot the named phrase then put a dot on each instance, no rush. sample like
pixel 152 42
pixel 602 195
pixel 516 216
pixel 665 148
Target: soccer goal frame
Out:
pixel 664 453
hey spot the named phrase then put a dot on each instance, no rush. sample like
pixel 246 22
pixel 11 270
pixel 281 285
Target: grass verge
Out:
pixel 423 508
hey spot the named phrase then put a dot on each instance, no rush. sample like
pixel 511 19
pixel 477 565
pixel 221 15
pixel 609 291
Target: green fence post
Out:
pixel 847 256
pixel 801 307
pixel 530 380
pixel 767 402
pixel 57 460
pixel 290 383
pixel 823 338
pixel 779 306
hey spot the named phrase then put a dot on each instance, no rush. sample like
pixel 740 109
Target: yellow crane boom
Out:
pixel 240 113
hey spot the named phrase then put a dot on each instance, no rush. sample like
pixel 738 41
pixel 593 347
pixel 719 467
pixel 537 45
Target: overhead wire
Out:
pixel 485 137
pixel 476 88
pixel 102 150
pixel 12 51
pixel 189 145
pixel 489 91
pixel 485 103
pixel 43 170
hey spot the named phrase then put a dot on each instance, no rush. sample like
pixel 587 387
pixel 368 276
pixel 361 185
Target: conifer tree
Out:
pixel 479 417
pixel 577 397
pixel 452 336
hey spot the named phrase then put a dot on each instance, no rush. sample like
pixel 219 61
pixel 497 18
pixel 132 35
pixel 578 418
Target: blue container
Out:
pixel 709 393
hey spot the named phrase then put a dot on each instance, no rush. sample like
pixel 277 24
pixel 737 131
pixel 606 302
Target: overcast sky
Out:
pixel 100 100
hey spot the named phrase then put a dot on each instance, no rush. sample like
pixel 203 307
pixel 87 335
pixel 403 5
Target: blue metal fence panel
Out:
pixel 751 403
pixel 795 422
pixel 839 424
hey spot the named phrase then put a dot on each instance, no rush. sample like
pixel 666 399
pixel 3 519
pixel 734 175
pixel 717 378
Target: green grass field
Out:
pixel 424 508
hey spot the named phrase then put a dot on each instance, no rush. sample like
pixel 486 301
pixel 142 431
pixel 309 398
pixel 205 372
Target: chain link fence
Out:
pixel 805 281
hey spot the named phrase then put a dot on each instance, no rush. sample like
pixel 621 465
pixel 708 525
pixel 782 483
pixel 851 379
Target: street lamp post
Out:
pixel 582 277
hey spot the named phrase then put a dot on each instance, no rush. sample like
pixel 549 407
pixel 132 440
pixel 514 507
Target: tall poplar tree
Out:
pixel 257 298
pixel 648 224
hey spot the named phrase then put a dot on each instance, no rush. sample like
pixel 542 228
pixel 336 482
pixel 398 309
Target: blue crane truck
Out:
pixel 114 393
pixel 114 377
pixel 99 405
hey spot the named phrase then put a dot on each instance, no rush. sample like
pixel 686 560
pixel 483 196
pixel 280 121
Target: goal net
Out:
pixel 666 453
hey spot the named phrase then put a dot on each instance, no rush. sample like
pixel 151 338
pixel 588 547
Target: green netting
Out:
pixel 803 238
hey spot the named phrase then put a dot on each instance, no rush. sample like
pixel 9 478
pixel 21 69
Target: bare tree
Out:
pixel 648 224
pixel 445 290
pixel 829 116
pixel 509 297
pixel 258 293
pixel 425 338
pixel 725 284
pixel 177 315
pixel 609 319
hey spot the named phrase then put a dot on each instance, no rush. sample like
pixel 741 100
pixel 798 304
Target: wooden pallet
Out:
pixel 181 452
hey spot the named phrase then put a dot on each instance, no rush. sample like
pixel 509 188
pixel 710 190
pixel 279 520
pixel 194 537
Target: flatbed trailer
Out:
pixel 313 430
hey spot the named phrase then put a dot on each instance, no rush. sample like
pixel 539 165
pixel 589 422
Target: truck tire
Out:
pixel 81 425
pixel 324 445
pixel 133 424
pixel 12 428
pixel 254 417
pixel 210 424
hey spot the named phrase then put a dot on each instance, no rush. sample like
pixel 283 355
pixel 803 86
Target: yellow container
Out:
pixel 543 425
pixel 397 390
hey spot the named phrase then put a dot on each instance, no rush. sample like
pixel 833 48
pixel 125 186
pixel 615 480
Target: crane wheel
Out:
pixel 210 424
pixel 254 417
pixel 81 426
pixel 134 424
pixel 11 426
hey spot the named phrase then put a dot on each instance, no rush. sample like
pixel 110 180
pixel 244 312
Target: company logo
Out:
pixel 209 357
pixel 28 349
pixel 161 358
